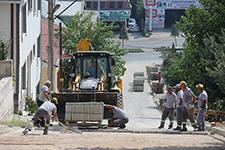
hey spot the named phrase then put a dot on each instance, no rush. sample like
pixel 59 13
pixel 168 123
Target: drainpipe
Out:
pixel 17 60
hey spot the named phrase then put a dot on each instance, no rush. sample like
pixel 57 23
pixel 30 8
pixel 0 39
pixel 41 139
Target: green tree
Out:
pixel 100 34
pixel 202 58
pixel 123 34
pixel 138 11
pixel 3 50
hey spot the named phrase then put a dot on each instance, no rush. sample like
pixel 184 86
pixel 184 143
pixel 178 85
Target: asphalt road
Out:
pixel 156 40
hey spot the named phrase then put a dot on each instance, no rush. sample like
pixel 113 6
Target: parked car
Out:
pixel 132 25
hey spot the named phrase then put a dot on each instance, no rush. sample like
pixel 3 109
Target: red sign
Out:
pixel 150 2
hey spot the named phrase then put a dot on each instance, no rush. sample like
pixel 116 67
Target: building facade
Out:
pixel 166 12
pixel 110 10
pixel 22 28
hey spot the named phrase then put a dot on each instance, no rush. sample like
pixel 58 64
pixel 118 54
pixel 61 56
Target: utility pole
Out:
pixel 99 5
pixel 50 42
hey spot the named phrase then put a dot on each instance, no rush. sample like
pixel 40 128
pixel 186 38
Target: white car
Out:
pixel 132 25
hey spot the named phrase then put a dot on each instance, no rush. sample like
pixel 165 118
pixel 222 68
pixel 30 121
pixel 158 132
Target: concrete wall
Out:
pixel 6 98
pixel 5 68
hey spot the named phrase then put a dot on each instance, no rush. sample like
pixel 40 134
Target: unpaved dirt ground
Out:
pixel 60 140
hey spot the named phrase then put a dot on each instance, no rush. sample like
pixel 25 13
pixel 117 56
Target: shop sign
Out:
pixel 115 15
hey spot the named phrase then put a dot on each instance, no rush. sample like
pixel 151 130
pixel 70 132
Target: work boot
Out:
pixel 25 131
pixel 184 128
pixel 177 128
pixel 122 126
pixel 195 126
pixel 170 126
pixel 161 125
pixel 45 131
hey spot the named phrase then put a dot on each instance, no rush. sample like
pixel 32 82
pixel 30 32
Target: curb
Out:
pixel 214 130
pixel 145 132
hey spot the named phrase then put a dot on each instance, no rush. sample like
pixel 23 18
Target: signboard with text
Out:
pixel 150 2
pixel 114 15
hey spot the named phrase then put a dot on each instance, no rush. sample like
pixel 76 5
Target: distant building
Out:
pixel 166 12
pixel 21 25
pixel 110 10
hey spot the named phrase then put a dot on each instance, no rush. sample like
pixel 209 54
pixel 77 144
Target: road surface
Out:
pixel 142 111
pixel 108 141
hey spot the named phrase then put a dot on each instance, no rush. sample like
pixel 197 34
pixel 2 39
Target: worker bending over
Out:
pixel 119 117
pixel 44 114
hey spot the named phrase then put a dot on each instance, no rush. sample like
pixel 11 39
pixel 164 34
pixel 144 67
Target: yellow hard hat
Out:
pixel 183 83
pixel 199 86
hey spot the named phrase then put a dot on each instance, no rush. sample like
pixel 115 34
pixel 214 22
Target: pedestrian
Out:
pixel 44 93
pixel 118 116
pixel 44 114
pixel 168 110
pixel 202 107
pixel 188 110
pixel 179 107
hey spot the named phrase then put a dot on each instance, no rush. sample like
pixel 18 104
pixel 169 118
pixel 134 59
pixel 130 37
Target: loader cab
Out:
pixel 94 67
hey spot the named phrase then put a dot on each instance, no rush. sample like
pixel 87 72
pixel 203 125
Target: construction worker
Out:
pixel 119 117
pixel 44 114
pixel 44 93
pixel 202 107
pixel 168 110
pixel 179 107
pixel 188 109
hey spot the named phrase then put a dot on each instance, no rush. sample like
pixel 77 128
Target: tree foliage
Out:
pixel 203 59
pixel 100 34
pixel 3 49
pixel 123 34
pixel 138 11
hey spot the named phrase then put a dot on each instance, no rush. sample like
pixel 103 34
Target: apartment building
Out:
pixel 20 25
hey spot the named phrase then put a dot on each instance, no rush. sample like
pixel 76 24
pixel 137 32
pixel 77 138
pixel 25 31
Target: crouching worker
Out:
pixel 43 116
pixel 119 117
pixel 169 106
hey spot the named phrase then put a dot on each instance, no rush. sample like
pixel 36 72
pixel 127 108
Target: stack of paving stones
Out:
pixel 138 82
pixel 154 78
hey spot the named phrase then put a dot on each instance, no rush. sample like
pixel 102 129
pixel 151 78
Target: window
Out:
pixel 30 5
pixel 24 19
pixel 34 51
pixel 95 7
pixel 31 57
pixel 102 5
pixel 112 5
pixel 39 46
pixel 35 7
pixel 23 75
pixel 120 5
pixel 88 5
pixel 39 4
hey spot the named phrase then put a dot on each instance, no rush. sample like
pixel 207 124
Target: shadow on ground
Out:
pixel 217 147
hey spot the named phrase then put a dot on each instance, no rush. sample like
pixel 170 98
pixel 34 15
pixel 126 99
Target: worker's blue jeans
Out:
pixel 201 119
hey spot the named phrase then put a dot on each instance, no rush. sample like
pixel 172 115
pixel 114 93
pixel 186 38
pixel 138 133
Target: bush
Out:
pixel 30 106
pixel 3 50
